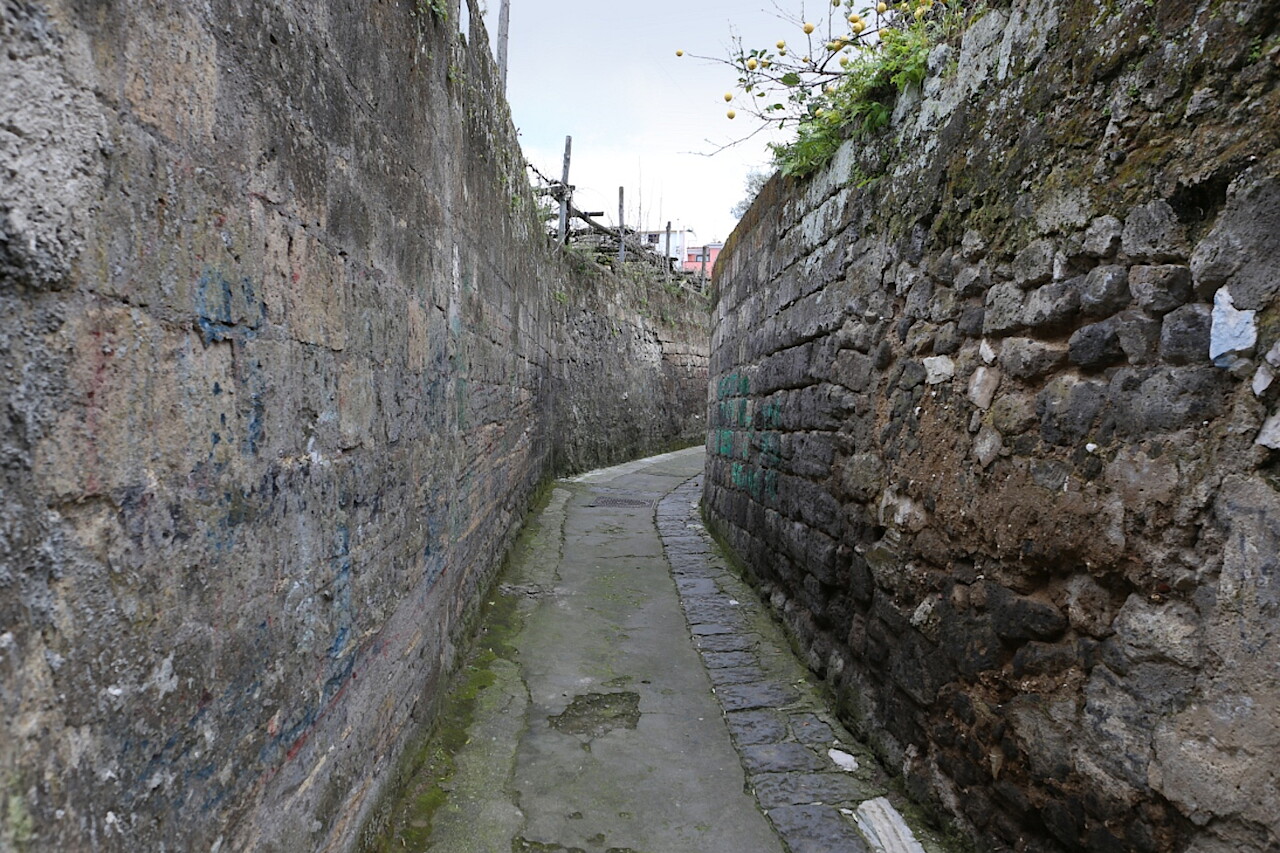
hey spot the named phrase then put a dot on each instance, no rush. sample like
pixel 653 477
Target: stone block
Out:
pixel 1153 233
pixel 1036 658
pixel 1017 617
pixel 1027 358
pixel 945 307
pixel 1052 305
pixel 1184 335
pixel 1158 289
pixel 983 384
pixel 1033 265
pixel 1068 408
pixel 1102 237
pixel 939 369
pixel 1013 414
pixel 750 728
pixel 987 445
pixel 1139 336
pixel 1104 290
pixel 1167 631
pixel 919 301
pixel 1097 345
pixel 1166 399
pixel 1233 333
pixel 971 322
pixel 949 339
pixel 1242 250
pixel 1004 309
pixel 972 280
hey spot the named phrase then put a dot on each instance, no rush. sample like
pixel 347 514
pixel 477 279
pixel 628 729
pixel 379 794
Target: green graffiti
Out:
pixel 771 485
pixel 770 444
pixel 771 415
pixel 747 478
pixel 725 447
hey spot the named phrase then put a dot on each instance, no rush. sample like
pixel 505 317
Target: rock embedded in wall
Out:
pixel 1047 419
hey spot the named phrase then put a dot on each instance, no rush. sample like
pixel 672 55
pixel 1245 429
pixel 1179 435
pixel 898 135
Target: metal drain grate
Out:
pixel 608 501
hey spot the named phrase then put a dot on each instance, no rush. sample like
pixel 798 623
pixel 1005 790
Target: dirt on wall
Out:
pixel 284 354
pixel 994 424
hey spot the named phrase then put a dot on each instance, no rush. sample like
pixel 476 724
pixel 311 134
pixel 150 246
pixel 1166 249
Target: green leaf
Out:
pixel 790 79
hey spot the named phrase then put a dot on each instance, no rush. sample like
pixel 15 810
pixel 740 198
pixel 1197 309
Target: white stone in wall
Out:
pixel 987 446
pixel 987 352
pixel 884 828
pixel 983 385
pixel 1270 434
pixel 1273 355
pixel 1234 332
pixel 938 369
pixel 1262 379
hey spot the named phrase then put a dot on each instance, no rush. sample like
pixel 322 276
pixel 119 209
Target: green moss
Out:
pixel 19 827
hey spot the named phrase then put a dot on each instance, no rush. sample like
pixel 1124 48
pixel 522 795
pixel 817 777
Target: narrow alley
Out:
pixel 628 693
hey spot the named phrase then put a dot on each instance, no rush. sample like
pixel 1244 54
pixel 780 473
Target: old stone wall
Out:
pixel 994 425
pixel 284 354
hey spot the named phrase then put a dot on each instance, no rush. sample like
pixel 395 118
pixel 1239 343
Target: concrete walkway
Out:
pixel 629 695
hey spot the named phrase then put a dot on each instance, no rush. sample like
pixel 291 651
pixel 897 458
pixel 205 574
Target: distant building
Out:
pixel 697 255
pixel 656 242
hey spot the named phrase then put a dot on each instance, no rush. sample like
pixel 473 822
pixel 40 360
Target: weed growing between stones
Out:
pixel 435 8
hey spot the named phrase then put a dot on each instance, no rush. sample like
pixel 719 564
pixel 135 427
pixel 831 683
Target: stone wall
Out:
pixel 994 425
pixel 284 354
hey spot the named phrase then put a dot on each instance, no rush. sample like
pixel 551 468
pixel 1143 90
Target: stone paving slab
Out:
pixel 787 738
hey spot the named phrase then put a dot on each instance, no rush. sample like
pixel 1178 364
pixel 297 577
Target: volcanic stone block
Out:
pixel 1160 289
pixel 1184 335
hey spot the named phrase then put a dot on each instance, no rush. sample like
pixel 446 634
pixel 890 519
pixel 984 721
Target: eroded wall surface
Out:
pixel 994 424
pixel 281 363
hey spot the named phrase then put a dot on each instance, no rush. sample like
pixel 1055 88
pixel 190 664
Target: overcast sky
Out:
pixel 607 75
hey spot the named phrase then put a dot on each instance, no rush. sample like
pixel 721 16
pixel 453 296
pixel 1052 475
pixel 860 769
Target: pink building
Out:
pixel 695 255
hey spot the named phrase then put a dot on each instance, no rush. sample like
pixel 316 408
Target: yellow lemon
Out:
pixel 679 53
pixel 782 45
pixel 751 64
pixel 728 96
pixel 882 8
pixel 731 114
pixel 859 27
pixel 808 28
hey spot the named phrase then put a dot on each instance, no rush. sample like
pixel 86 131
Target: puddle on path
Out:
pixel 596 714
pixel 523 845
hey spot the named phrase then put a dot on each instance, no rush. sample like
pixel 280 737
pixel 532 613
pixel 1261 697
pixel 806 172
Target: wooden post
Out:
pixel 504 24
pixel 622 231
pixel 564 193
pixel 668 257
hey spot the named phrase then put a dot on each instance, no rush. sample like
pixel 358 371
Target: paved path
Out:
pixel 629 695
